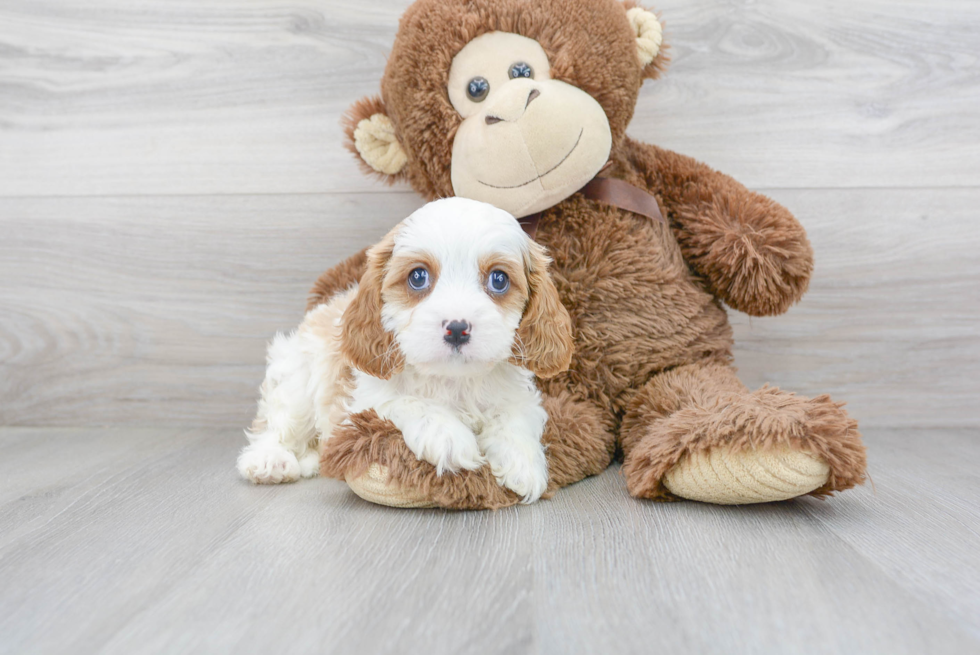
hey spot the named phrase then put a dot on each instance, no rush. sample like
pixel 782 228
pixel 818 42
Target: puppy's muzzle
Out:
pixel 457 333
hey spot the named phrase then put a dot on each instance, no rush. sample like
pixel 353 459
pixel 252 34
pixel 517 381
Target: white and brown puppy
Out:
pixel 452 319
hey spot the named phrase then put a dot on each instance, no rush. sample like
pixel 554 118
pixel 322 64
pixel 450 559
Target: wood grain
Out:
pixel 149 310
pixel 777 578
pixel 124 298
pixel 157 310
pixel 891 323
pixel 145 97
pixel 145 541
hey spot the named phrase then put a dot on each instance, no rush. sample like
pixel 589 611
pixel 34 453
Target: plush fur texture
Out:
pixel 653 344
pixel 572 451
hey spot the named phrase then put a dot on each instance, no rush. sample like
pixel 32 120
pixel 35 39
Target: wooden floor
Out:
pixel 144 541
pixel 172 179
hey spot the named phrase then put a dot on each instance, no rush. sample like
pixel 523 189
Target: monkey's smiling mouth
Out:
pixel 532 181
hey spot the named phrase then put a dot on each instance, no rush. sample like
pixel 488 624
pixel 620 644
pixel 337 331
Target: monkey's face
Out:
pixel 526 140
pixel 518 103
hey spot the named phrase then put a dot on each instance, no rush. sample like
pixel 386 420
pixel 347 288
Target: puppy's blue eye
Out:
pixel 498 282
pixel 520 69
pixel 418 279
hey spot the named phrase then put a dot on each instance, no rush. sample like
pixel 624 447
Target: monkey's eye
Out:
pixel 418 279
pixel 520 69
pixel 498 282
pixel 477 89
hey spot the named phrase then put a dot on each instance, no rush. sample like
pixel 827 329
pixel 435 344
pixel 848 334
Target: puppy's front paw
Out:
pixel 268 464
pixel 445 443
pixel 523 470
pixel 309 464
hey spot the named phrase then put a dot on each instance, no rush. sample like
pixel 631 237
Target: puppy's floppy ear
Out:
pixel 544 344
pixel 363 341
pixel 650 48
pixel 370 135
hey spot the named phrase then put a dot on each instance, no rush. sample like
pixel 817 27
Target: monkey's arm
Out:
pixel 337 279
pixel 751 251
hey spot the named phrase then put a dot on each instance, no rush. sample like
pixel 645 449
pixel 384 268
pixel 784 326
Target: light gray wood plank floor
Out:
pixel 145 541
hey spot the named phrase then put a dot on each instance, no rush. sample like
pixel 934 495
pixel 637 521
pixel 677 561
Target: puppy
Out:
pixel 452 319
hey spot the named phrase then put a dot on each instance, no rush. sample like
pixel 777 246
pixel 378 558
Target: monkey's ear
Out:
pixel 650 47
pixel 371 137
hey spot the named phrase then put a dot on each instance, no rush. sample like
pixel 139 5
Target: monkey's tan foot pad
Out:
pixel 374 486
pixel 741 477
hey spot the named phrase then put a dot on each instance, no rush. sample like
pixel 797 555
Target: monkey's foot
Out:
pixel 370 454
pixel 741 477
pixel 375 486
pixel 758 447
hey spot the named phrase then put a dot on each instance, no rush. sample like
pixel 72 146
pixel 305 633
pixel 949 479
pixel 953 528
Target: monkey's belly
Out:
pixel 635 307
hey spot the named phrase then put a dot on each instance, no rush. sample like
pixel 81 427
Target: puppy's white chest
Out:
pixel 475 401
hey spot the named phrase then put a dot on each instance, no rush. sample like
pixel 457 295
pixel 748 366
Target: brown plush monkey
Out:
pixel 522 104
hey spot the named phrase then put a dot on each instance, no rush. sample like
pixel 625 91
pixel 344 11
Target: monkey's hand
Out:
pixel 750 250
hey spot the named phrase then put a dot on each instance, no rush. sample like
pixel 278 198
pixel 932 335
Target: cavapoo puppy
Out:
pixel 452 319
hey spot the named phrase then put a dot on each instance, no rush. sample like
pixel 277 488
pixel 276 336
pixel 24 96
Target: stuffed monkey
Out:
pixel 525 105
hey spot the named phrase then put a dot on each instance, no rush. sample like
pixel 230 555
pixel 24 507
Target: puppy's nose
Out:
pixel 457 333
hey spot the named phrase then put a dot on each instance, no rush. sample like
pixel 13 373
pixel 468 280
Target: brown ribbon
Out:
pixel 624 195
pixel 611 191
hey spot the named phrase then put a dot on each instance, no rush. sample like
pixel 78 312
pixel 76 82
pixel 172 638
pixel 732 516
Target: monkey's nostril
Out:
pixel 531 96
pixel 492 119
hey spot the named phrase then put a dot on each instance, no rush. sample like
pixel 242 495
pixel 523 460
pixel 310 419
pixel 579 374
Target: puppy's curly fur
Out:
pixel 440 340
